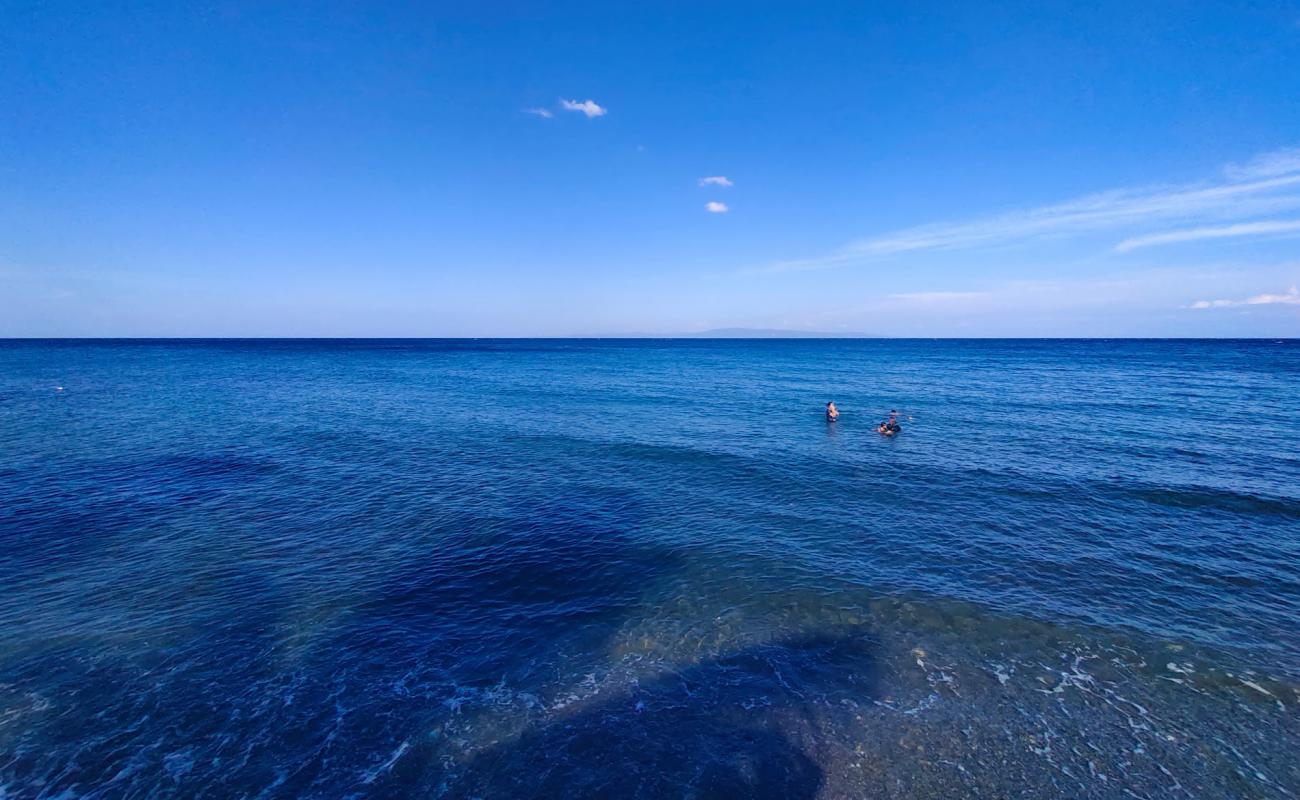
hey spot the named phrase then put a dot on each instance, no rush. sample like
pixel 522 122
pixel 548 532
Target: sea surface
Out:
pixel 641 569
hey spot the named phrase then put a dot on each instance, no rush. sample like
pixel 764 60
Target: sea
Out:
pixel 649 568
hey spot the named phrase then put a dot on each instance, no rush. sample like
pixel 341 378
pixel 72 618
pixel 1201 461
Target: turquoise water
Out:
pixel 649 568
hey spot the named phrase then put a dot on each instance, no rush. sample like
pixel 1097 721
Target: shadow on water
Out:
pixel 740 725
pixel 245 647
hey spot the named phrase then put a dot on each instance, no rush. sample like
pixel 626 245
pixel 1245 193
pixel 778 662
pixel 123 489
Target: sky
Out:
pixel 565 168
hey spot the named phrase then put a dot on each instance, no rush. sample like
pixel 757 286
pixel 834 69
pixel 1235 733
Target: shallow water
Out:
pixel 647 568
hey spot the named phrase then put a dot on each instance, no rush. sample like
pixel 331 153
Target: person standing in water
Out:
pixel 890 426
pixel 832 413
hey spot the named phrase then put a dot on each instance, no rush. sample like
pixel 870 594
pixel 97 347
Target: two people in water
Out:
pixel 888 427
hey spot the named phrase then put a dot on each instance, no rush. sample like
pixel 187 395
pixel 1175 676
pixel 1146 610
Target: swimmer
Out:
pixel 890 426
pixel 832 413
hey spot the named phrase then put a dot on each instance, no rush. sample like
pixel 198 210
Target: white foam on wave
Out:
pixel 371 776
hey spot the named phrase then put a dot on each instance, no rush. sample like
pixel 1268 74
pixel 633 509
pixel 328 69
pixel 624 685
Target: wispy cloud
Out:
pixel 716 180
pixel 587 107
pixel 1266 185
pixel 544 113
pixel 714 207
pixel 1266 165
pixel 1291 298
pixel 1267 227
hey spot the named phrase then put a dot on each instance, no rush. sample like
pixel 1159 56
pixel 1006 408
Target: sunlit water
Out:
pixel 644 569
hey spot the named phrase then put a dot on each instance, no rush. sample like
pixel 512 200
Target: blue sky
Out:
pixel 481 169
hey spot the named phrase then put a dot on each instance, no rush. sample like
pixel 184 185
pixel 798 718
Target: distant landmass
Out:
pixel 745 333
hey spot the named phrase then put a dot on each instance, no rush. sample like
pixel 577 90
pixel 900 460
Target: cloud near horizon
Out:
pixel 940 297
pixel 1268 184
pixel 716 180
pixel 714 207
pixel 544 113
pixel 588 107
pixel 1291 297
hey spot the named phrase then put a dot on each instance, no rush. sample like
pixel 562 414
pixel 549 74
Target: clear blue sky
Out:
pixel 913 169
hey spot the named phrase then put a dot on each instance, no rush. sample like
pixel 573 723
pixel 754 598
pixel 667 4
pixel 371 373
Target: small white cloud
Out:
pixel 714 207
pixel 587 107
pixel 544 113
pixel 1291 298
pixel 716 180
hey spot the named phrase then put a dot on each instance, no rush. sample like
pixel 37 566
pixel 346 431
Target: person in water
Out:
pixel 890 426
pixel 832 413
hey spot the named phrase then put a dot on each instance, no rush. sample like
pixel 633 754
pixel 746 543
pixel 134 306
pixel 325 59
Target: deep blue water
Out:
pixel 649 569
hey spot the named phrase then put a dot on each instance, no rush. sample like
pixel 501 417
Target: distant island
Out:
pixel 743 333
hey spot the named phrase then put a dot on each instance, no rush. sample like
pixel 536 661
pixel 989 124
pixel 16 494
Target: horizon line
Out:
pixel 648 337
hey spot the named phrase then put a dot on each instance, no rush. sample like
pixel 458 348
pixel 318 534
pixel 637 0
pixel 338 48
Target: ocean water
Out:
pixel 637 569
